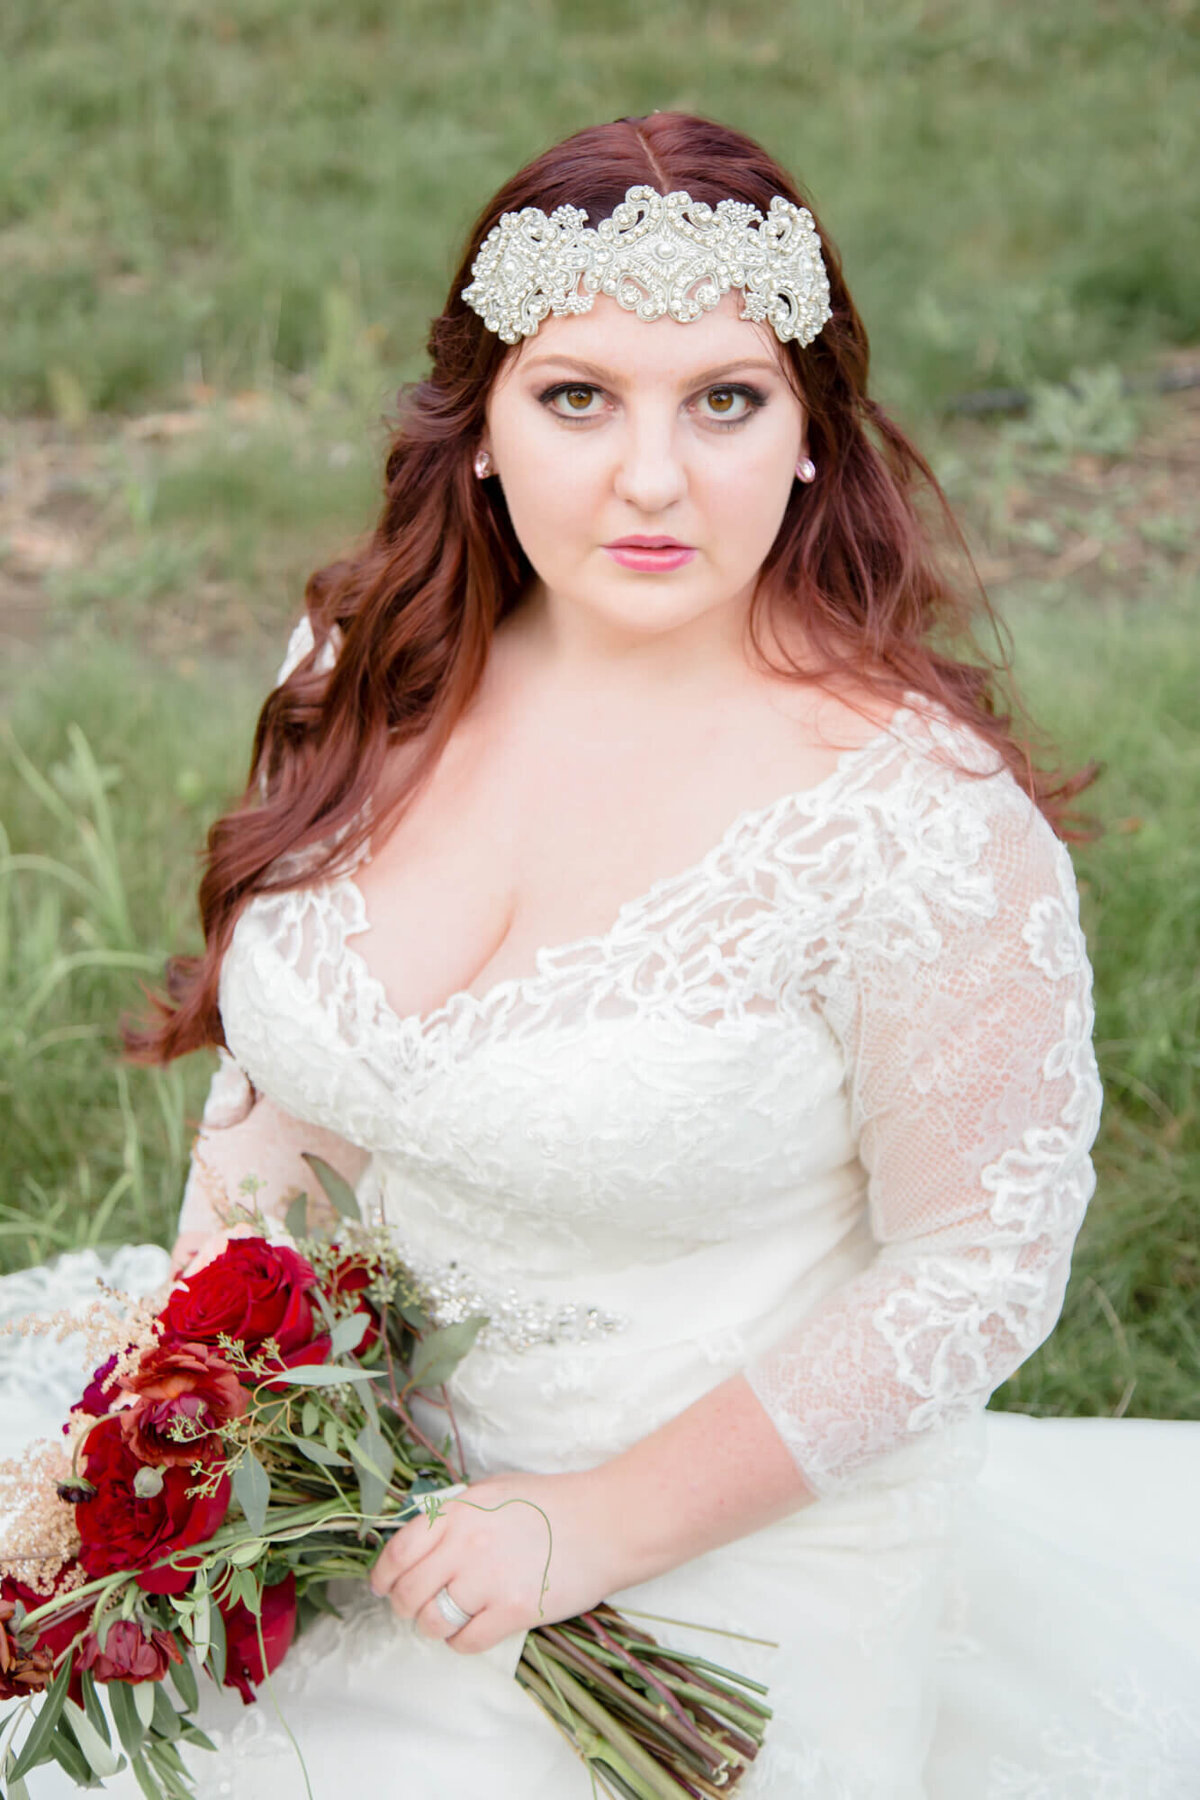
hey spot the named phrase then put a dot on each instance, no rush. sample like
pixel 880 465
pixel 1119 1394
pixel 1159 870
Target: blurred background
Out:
pixel 223 230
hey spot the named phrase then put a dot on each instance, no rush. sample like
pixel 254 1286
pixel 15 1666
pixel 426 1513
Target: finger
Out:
pixel 413 1590
pixel 432 1621
pixel 410 1546
pixel 487 1628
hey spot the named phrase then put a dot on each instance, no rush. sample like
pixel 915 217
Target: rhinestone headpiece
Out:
pixel 658 253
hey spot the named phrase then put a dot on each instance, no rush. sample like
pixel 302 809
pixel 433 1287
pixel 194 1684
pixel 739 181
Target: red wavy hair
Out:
pixel 416 606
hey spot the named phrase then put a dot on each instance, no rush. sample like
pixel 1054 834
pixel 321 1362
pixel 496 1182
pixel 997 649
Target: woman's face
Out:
pixel 602 427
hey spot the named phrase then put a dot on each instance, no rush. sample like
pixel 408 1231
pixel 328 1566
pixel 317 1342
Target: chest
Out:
pixel 498 858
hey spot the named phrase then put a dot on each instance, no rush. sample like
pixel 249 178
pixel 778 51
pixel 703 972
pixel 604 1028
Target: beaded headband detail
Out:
pixel 657 254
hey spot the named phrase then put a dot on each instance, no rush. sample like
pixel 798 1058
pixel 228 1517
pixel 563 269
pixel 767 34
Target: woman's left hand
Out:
pixel 492 1545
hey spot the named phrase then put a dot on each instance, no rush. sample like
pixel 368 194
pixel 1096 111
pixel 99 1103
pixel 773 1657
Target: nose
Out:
pixel 650 472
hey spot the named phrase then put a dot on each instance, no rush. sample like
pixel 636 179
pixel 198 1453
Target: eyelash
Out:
pixel 755 396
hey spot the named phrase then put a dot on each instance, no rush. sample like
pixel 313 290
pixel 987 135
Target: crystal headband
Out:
pixel 658 253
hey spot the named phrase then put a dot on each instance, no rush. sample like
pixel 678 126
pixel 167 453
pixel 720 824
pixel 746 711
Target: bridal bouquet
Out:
pixel 234 1454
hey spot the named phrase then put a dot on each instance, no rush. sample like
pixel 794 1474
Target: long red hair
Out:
pixel 416 606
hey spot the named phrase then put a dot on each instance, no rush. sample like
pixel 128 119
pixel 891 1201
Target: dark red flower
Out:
pixel 25 1671
pixel 128 1654
pixel 21 1671
pixel 243 1656
pixel 347 1278
pixel 124 1528
pixel 96 1398
pixel 178 1381
pixel 254 1290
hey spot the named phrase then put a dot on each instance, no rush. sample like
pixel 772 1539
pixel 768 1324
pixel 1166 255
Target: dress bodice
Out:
pixel 824 1098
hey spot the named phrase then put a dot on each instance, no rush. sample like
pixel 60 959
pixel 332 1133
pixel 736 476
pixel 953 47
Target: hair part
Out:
pixel 417 604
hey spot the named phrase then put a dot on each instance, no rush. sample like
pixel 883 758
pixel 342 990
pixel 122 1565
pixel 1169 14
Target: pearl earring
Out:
pixel 483 464
pixel 806 469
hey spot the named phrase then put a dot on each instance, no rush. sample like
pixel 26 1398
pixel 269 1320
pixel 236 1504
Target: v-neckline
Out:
pixel 464 1001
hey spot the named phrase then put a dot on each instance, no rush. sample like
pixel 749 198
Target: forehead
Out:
pixel 660 352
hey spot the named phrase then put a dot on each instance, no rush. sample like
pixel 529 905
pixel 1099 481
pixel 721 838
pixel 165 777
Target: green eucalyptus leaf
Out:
pixel 438 1355
pixel 296 1218
pixel 186 1686
pixel 97 1749
pixel 166 1719
pixel 143 1702
pixel 70 1758
pixel 408 1309
pixel 36 1747
pixel 348 1334
pixel 192 1734
pixel 143 1773
pixel 217 1647
pixel 320 1375
pixel 252 1490
pixel 374 1459
pixel 309 1417
pixel 129 1726
pixel 338 1191
pixel 319 1453
pixel 93 1707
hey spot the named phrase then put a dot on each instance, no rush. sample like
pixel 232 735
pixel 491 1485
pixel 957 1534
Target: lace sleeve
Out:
pixel 961 994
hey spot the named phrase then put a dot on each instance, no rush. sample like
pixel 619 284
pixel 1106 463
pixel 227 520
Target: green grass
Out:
pixel 109 772
pixel 1130 1333
pixel 192 192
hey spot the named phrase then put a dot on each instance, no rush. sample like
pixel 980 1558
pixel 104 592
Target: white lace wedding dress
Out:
pixel 819 1109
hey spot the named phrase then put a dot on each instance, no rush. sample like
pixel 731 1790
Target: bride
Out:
pixel 642 896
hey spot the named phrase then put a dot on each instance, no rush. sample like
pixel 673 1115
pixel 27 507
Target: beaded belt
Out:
pixel 515 1322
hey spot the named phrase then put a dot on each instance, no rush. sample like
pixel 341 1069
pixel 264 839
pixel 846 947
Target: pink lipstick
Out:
pixel 650 555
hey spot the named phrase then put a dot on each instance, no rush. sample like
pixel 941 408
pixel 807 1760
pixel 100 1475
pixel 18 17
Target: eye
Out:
pixel 725 410
pixel 575 395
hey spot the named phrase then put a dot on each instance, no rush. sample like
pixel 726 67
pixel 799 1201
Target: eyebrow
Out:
pixel 607 375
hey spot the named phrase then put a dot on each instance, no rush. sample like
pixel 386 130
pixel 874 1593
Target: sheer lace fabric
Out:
pixel 850 1047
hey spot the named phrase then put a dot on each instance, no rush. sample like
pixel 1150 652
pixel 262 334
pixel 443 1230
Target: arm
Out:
pixel 963 1004
pixel 244 1138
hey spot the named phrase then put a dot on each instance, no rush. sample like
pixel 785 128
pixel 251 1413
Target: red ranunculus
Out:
pixel 122 1529
pixel 243 1657
pixel 178 1381
pixel 254 1290
pixel 128 1654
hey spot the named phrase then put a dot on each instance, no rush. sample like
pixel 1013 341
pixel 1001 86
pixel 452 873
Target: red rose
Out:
pixel 252 1291
pixel 243 1657
pixel 128 1654
pixel 123 1528
pixel 178 1381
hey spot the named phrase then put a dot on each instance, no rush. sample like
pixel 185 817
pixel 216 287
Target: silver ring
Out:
pixel 450 1610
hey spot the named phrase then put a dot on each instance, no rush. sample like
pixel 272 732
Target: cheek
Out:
pixel 744 502
pixel 550 500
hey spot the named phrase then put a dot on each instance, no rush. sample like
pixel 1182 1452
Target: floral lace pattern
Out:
pixel 879 983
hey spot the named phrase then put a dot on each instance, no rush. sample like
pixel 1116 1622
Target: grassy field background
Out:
pixel 223 229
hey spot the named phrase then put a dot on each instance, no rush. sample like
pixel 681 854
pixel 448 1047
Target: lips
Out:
pixel 647 543
pixel 650 556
